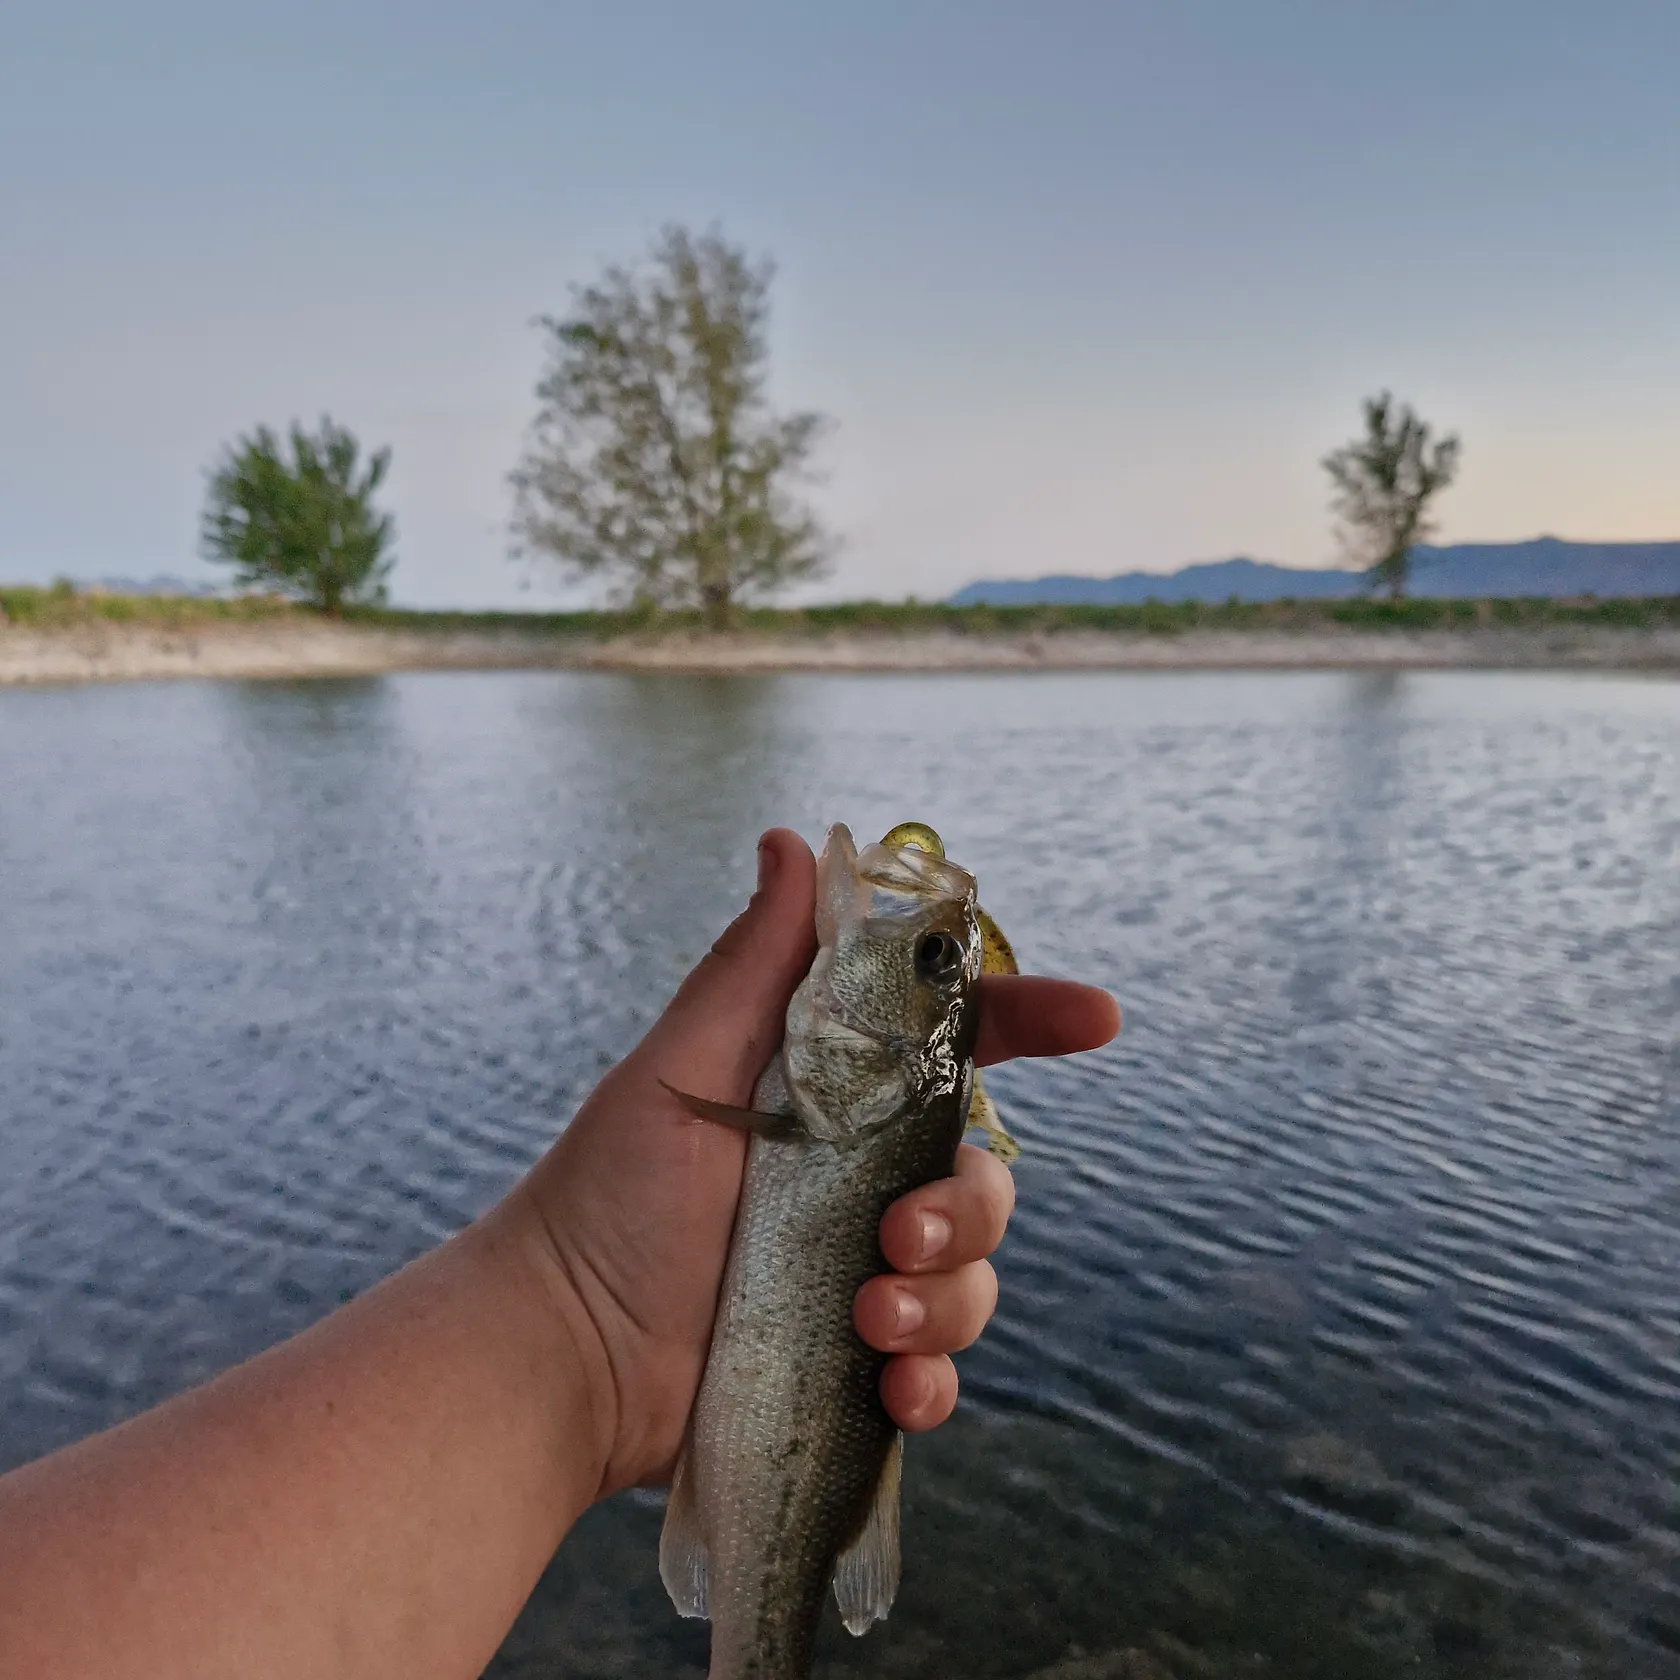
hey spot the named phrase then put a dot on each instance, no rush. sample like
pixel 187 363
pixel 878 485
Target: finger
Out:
pixel 1030 1015
pixel 919 1390
pixel 942 1312
pixel 952 1221
pixel 725 1022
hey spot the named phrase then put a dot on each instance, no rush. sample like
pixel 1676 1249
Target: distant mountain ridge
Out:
pixel 1464 571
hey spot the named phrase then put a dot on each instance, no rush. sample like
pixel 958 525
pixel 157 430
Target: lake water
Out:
pixel 1340 1330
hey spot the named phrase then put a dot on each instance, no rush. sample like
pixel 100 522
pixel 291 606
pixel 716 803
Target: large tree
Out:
pixel 1384 483
pixel 301 521
pixel 656 461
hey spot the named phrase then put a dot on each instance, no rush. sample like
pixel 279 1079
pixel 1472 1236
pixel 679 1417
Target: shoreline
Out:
pixel 287 648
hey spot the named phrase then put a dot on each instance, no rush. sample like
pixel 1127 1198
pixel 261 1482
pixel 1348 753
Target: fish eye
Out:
pixel 939 958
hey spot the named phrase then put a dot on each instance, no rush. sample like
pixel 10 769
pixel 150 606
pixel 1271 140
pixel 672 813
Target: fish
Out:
pixel 788 1480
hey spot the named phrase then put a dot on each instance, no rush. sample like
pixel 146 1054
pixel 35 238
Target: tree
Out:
pixel 1384 482
pixel 304 525
pixel 656 460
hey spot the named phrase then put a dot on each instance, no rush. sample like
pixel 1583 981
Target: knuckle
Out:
pixel 867 1310
pixel 900 1230
pixel 984 1218
pixel 979 1288
pixel 878 1293
pixel 1000 1211
pixel 920 1390
pixel 926 1385
pixel 998 1182
pixel 967 1298
pixel 733 942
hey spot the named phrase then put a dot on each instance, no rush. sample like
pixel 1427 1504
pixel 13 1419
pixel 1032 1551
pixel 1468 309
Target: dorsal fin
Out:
pixel 998 954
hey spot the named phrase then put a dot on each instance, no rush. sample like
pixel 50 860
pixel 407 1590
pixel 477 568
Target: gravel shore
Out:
pixel 115 652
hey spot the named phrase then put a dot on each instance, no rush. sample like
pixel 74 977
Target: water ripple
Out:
pixel 1364 1230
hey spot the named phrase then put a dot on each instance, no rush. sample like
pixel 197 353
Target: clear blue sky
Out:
pixel 1087 287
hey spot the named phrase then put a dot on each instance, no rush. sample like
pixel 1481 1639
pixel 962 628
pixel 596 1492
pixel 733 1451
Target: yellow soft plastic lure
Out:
pixel 998 957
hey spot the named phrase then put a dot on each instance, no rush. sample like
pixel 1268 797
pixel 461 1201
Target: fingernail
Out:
pixel 767 862
pixel 908 1314
pixel 936 1233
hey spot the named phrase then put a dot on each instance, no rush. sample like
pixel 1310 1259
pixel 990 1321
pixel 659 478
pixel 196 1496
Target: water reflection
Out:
pixel 1338 1332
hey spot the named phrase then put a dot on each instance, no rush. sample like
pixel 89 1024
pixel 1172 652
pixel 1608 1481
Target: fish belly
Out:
pixel 790 1435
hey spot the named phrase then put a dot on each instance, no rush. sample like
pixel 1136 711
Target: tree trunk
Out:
pixel 1395 566
pixel 715 603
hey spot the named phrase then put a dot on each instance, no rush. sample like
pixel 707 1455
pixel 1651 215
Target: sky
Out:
pixel 1085 287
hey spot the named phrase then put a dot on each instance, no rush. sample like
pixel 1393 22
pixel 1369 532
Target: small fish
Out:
pixel 789 1478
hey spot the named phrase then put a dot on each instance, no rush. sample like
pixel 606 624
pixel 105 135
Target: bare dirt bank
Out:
pixel 117 652
pixel 102 651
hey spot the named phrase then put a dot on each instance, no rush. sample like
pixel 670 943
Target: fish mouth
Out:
pixel 854 885
pixel 849 1058
pixel 837 882
pixel 873 885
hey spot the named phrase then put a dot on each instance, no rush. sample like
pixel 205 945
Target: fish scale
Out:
pixel 789 1478
pixel 796 1391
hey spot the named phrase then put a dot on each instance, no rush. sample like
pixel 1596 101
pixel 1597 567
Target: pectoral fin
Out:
pixel 983 1114
pixel 682 1547
pixel 744 1119
pixel 866 1577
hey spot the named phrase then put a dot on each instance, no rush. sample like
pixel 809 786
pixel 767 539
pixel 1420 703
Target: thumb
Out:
pixel 725 1022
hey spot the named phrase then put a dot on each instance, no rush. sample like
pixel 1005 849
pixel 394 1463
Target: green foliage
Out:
pixel 33 607
pixel 1384 482
pixel 1154 618
pixel 61 607
pixel 656 460
pixel 304 524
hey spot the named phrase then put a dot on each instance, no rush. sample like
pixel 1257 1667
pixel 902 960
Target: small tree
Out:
pixel 1384 482
pixel 656 460
pixel 304 525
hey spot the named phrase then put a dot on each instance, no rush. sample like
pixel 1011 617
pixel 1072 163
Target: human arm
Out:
pixel 378 1495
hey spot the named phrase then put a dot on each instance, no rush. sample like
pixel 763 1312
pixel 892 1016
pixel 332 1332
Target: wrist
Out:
pixel 569 1362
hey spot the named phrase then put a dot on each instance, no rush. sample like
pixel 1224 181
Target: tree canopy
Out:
pixel 1384 483
pixel 656 461
pixel 301 522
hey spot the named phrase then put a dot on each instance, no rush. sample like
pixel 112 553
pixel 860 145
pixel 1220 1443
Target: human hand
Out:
pixel 634 1206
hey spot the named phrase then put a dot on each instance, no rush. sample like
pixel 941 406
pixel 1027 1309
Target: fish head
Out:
pixel 888 1013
